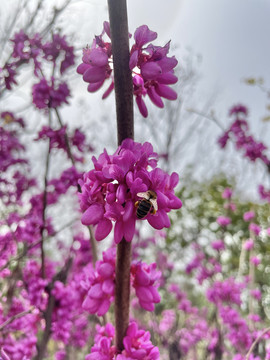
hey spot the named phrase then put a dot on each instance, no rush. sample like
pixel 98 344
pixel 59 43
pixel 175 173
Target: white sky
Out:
pixel 232 37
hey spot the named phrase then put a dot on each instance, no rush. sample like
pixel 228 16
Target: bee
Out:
pixel 147 205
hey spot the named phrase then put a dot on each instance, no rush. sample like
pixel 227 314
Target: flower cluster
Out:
pixel 110 191
pixel 46 93
pixel 100 284
pixel 239 132
pixel 49 94
pixel 152 69
pixel 225 291
pixel 144 280
pixel 137 345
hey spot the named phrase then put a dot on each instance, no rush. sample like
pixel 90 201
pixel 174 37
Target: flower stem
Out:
pixel 125 129
pixel 122 74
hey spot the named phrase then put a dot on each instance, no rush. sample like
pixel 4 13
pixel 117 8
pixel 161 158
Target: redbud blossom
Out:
pixel 152 69
pixel 109 191
pixel 249 215
pixel 223 221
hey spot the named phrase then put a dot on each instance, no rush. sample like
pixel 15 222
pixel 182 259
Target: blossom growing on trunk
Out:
pixel 152 69
pixel 137 345
pixel 109 191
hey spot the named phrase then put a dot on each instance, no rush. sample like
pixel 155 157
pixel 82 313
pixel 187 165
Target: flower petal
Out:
pixel 93 214
pixel 103 229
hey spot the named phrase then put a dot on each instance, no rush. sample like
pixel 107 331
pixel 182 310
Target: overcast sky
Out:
pixel 231 36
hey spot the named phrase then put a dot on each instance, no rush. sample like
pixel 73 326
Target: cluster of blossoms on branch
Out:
pixel 110 191
pixel 100 284
pixel 253 150
pixel 243 140
pixel 47 93
pixel 152 70
pixel 137 345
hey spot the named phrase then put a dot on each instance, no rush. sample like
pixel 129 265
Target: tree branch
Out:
pixel 125 129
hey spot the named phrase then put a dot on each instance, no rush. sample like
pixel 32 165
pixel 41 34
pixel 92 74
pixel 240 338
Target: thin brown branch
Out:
pixel 14 317
pixel 256 342
pixel 29 247
pixel 44 206
pixel 93 244
pixel 42 344
pixel 66 138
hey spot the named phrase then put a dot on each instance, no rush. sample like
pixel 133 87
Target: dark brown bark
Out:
pixel 125 129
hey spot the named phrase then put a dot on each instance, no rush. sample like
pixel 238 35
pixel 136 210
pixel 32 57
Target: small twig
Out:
pixel 44 202
pixel 93 244
pixel 256 342
pixel 14 317
pixel 42 344
pixel 27 248
pixel 212 118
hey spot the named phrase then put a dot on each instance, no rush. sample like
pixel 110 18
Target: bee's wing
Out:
pixel 154 203
pixel 142 195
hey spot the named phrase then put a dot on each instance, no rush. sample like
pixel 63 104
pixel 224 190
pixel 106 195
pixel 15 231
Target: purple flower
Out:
pixel 248 244
pixel 109 191
pixel 52 50
pixel 145 281
pixel 223 221
pixel 255 228
pixel 255 260
pixel 152 69
pixel 50 96
pixel 218 245
pixel 227 193
pixel 238 131
pixel 137 345
pixel 238 109
pixel 101 285
pixel 225 291
pixel 264 194
pixel 256 293
pixel 249 215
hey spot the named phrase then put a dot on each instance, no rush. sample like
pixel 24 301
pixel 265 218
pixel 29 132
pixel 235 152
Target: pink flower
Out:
pixel 238 109
pixel 109 191
pixel 248 244
pixel 138 345
pixel 249 215
pixel 223 221
pixel 256 293
pixel 227 193
pixel 225 291
pixel 101 285
pixel 59 47
pixel 167 320
pixel 47 95
pixel 255 260
pixel 145 282
pixel 255 228
pixel 152 69
pixel 218 245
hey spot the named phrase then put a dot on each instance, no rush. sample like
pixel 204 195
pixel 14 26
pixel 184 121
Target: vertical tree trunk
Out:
pixel 125 129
